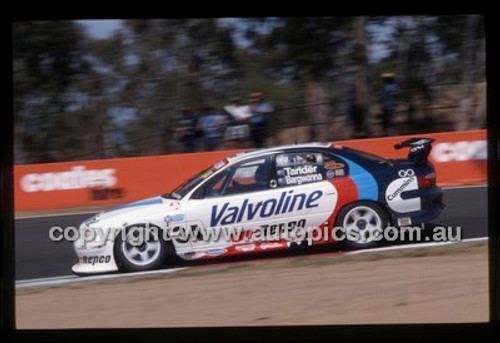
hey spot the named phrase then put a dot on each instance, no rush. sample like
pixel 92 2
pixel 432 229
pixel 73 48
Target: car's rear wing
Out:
pixel 419 148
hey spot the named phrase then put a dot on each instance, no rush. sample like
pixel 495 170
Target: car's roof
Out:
pixel 259 152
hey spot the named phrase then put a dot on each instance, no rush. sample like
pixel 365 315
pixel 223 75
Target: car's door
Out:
pixel 310 197
pixel 241 197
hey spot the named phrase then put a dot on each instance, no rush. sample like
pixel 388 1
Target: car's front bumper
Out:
pixel 95 261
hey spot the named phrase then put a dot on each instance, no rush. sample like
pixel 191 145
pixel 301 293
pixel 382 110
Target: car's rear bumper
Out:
pixel 432 205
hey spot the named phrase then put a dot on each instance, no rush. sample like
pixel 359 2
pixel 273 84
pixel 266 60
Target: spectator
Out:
pixel 238 115
pixel 390 91
pixel 260 111
pixel 185 130
pixel 210 125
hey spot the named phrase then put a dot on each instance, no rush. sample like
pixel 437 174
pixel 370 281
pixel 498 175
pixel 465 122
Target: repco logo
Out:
pixel 96 259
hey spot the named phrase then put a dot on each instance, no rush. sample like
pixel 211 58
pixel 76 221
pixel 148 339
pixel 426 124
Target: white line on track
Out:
pixel 67 279
pixel 416 246
pixel 465 186
pixel 55 214
pixel 97 211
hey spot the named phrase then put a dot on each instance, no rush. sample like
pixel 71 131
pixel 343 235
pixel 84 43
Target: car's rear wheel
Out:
pixel 141 248
pixel 363 223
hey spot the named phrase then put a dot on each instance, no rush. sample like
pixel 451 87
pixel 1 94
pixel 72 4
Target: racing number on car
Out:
pixel 270 230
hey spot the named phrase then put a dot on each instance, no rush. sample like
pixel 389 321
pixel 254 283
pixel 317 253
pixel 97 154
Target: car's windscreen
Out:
pixel 364 154
pixel 187 186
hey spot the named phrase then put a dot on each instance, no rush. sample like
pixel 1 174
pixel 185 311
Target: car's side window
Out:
pixel 333 167
pixel 213 187
pixel 249 176
pixel 299 168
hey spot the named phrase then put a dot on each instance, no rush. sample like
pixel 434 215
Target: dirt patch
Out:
pixel 440 288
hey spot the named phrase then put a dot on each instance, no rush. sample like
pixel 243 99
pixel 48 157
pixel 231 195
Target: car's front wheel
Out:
pixel 363 223
pixel 140 248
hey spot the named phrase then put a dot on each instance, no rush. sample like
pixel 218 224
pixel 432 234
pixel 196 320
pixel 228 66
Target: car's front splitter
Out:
pixel 95 261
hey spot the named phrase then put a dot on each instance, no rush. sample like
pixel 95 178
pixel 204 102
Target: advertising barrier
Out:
pixel 459 158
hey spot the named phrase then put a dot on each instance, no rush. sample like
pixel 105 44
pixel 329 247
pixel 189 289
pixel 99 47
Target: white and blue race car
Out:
pixel 315 185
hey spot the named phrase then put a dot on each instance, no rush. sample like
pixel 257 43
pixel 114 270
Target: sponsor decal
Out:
pixel 174 205
pixel 245 248
pixel 216 252
pixel 301 170
pixel 207 174
pixel 96 259
pixel 265 246
pixel 274 229
pixel 173 218
pixel 417 148
pixel 407 181
pixel 76 178
pixel 288 202
pixel 404 221
pixel 406 173
pixel 339 172
pixel 298 180
pixel 107 193
pixel 460 151
pixel 299 175
pixel 333 165
pixel 330 174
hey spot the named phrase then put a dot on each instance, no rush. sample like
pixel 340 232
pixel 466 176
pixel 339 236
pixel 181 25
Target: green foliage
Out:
pixel 78 98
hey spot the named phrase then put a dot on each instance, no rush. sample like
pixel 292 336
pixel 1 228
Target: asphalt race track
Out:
pixel 36 256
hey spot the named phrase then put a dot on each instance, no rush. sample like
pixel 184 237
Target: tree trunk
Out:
pixel 466 105
pixel 361 78
pixel 316 99
pixel 479 121
pixel 480 113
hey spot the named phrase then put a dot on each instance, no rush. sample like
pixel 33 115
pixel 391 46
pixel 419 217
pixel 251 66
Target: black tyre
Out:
pixel 362 221
pixel 150 254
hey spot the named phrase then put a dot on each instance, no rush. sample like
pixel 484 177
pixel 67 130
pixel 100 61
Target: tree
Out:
pixel 48 66
pixel 361 64
pixel 469 53
pixel 304 49
pixel 177 62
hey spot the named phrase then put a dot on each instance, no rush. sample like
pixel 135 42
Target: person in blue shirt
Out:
pixel 259 121
pixel 211 124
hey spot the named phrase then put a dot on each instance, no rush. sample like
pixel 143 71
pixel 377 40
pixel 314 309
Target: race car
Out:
pixel 309 186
